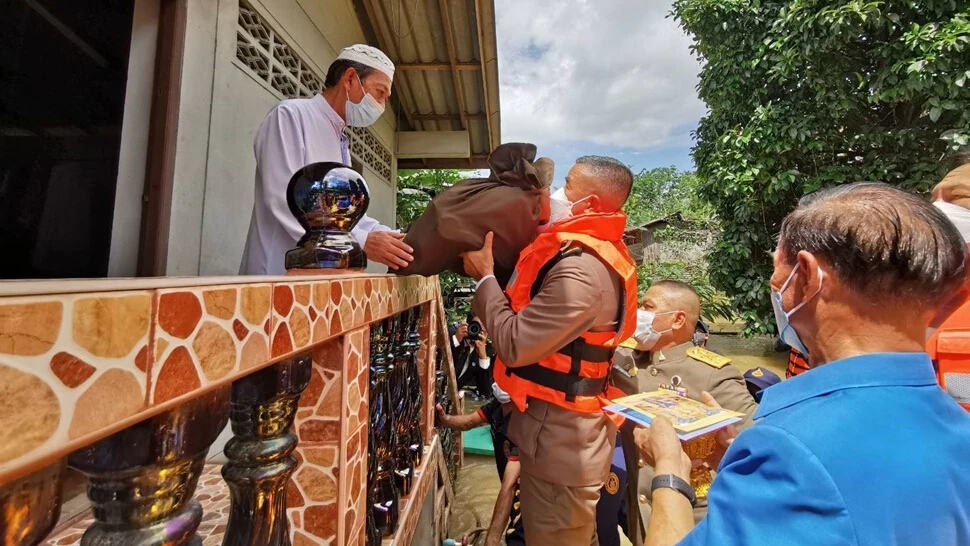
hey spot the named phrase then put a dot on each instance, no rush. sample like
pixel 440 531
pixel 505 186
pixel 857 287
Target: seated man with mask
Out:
pixel 667 353
pixel 863 448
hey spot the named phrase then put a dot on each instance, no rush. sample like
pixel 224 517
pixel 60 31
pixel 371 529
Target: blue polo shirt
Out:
pixel 864 450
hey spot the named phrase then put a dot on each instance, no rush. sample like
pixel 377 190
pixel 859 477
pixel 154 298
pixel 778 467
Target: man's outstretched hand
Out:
pixel 444 419
pixel 388 248
pixel 480 263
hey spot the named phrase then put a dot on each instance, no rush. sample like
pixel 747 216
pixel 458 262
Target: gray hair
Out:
pixel 616 179
pixel 879 240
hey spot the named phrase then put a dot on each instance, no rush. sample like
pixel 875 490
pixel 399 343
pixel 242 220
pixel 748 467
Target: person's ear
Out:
pixel 680 320
pixel 350 81
pixel 589 205
pixel 807 281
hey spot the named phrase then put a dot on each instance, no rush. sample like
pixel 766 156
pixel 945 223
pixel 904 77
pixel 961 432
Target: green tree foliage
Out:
pixel 662 193
pixel 415 191
pixel 806 94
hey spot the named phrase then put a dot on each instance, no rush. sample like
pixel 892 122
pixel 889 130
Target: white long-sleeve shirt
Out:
pixel 295 133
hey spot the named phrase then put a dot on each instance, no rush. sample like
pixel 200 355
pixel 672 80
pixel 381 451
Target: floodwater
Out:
pixel 476 490
pixel 478 482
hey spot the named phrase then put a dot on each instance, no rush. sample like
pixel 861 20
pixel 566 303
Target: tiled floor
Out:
pixel 212 493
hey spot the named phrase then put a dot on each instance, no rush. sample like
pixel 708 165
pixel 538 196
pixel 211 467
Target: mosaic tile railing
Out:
pixel 131 381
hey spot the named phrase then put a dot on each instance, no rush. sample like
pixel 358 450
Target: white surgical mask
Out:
pixel 365 112
pixel 560 207
pixel 500 395
pixel 785 331
pixel 645 335
pixel 959 216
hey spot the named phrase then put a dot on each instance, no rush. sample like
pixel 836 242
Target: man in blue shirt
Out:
pixel 864 447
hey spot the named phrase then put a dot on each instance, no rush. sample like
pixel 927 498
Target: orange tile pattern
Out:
pixel 353 494
pixel 204 334
pixel 73 365
pixel 331 424
pixel 305 313
pixel 68 367
pixel 428 330
pixel 312 495
pixel 326 496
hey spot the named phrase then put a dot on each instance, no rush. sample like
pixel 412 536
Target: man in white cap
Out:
pixel 297 132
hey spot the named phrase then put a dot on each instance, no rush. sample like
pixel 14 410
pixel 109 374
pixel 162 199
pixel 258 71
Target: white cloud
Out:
pixel 610 72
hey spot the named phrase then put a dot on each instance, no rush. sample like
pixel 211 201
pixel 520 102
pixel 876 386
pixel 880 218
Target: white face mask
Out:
pixel 645 335
pixel 958 215
pixel 782 317
pixel 365 112
pixel 560 207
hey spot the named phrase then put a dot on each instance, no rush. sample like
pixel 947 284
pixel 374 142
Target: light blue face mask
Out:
pixel 785 331
pixel 363 113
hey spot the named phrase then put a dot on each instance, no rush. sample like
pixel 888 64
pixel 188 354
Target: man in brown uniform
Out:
pixel 675 361
pixel 565 445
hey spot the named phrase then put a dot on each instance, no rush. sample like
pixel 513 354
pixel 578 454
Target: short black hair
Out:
pixel 339 67
pixel 672 284
pixel 682 296
pixel 471 316
pixel 879 240
pixel 616 178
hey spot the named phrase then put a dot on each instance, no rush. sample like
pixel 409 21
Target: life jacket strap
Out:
pixel 587 352
pixel 569 384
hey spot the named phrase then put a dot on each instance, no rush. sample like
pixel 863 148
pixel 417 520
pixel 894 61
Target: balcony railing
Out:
pixel 329 384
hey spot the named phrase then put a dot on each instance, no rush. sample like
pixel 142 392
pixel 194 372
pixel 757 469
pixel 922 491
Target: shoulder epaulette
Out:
pixel 707 357
pixel 630 343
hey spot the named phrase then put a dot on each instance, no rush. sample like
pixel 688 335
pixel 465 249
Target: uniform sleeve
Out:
pixel 489 409
pixel 513 451
pixel 728 387
pixel 279 150
pixel 567 305
pixel 771 489
pixel 365 227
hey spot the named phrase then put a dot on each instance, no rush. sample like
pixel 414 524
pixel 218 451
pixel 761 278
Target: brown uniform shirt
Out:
pixel 579 294
pixel 725 384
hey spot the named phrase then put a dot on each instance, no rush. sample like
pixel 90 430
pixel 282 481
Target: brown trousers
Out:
pixel 558 515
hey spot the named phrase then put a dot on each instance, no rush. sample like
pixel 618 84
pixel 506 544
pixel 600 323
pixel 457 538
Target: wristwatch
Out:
pixel 673 482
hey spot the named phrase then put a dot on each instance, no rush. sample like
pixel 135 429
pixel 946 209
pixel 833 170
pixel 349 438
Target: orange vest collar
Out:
pixel 604 226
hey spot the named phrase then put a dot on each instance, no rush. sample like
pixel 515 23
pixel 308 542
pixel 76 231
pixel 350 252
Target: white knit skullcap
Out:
pixel 368 56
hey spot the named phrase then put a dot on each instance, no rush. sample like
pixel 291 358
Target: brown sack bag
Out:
pixel 507 203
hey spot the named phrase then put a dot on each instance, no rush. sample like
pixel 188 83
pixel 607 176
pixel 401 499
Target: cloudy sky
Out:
pixel 611 77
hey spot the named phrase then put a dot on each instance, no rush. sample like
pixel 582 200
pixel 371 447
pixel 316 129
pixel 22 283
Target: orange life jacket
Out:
pixel 577 376
pixel 796 363
pixel 949 347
